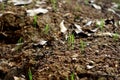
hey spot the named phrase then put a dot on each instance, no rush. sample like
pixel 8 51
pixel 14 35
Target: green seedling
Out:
pixel 86 2
pixel 72 76
pixel 19 45
pixel 119 6
pixel 67 78
pixel 20 40
pixel 35 21
pixel 101 25
pixel 46 29
pixel 2 6
pixel 82 45
pixel 71 40
pixel 54 4
pixel 77 7
pixel 30 74
pixel 115 36
pixel 116 1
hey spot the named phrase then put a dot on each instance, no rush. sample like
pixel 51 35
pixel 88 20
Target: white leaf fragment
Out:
pixel 42 42
pixel 3 0
pixel 94 30
pixel 89 67
pixel 78 28
pixel 34 12
pixel 115 5
pixel 21 2
pixel 88 23
pixel 96 6
pixel 18 78
pixel 1 15
pixel 40 2
pixel 111 10
pixel 92 1
pixel 63 29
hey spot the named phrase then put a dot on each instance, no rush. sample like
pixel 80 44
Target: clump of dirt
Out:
pixel 12 27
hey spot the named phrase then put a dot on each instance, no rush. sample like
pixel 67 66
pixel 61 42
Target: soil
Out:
pixel 98 58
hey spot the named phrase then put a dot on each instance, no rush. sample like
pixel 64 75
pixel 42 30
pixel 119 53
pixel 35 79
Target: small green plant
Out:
pixel 119 6
pixel 30 74
pixel 72 76
pixel 20 40
pixel 82 45
pixel 86 2
pixel 71 40
pixel 19 44
pixel 2 6
pixel 35 21
pixel 77 7
pixel 54 4
pixel 115 36
pixel 116 1
pixel 46 29
pixel 101 25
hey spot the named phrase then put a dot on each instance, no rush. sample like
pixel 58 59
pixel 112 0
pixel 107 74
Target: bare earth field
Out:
pixel 73 40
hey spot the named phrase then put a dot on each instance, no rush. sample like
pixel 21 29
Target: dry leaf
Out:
pixel 96 6
pixel 88 23
pixel 63 29
pixel 78 30
pixel 21 2
pixel 34 12
pixel 18 78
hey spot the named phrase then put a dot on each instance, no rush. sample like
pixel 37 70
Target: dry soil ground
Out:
pixel 85 56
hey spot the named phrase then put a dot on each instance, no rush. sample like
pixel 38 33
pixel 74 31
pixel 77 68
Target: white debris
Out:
pixel 114 5
pixel 111 10
pixel 21 2
pixel 40 2
pixel 63 29
pixel 18 78
pixel 3 0
pixel 88 23
pixel 34 12
pixel 94 30
pixel 78 30
pixel 42 42
pixel 89 67
pixel 92 1
pixel 1 15
pixel 118 22
pixel 96 6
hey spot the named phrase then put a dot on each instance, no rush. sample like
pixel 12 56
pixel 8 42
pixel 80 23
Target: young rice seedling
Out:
pixel 116 36
pixel 35 21
pixel 54 4
pixel 71 40
pixel 30 74
pixel 2 6
pixel 72 76
pixel 101 25
pixel 82 45
pixel 46 29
